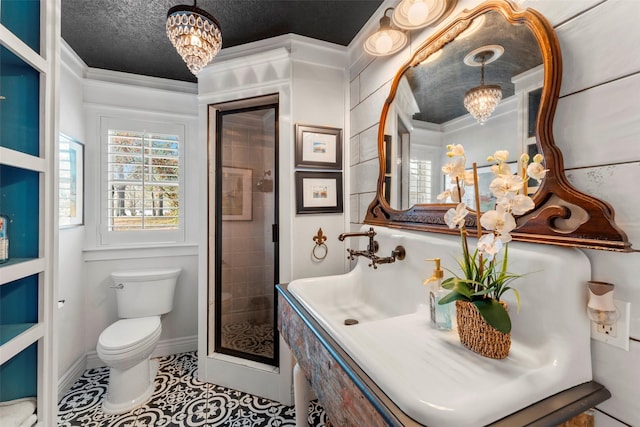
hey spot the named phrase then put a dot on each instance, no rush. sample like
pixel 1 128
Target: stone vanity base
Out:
pixel 344 401
pixel 351 398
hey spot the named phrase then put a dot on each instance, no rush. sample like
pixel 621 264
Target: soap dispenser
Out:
pixel 440 314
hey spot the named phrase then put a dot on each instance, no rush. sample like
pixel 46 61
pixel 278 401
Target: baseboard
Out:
pixel 164 348
pixel 175 346
pixel 71 376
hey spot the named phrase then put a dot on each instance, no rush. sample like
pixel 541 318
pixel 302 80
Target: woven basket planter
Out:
pixel 476 334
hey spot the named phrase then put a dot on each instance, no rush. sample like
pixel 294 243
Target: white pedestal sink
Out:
pixel 428 373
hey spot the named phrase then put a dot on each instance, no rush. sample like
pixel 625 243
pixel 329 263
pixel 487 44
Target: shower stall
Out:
pixel 245 239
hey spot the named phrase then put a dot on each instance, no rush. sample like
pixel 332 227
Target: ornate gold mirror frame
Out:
pixel 562 215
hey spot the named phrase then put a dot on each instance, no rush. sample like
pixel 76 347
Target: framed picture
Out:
pixel 236 194
pixel 318 147
pixel 70 182
pixel 318 192
pixel 487 201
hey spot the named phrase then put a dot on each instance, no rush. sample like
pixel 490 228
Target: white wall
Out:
pixel 318 100
pixel 596 127
pixel 309 78
pixel 70 322
pixel 140 98
pixel 84 264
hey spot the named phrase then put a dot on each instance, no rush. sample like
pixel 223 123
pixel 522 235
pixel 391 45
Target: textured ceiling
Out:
pixel 129 35
pixel 440 86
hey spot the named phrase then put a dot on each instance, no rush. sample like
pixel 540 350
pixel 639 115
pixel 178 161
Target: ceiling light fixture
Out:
pixel 386 40
pixel 414 14
pixel 195 34
pixel 482 100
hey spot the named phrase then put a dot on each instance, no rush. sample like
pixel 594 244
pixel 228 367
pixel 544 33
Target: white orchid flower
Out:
pixel 444 195
pixel 489 245
pixel 536 171
pixel 498 220
pixel 501 155
pixel 455 150
pixel 468 177
pixel 505 238
pixel 538 158
pixel 501 169
pixel 454 170
pixel 518 204
pixel 455 217
pixel 504 184
pixel 453 193
pixel 521 204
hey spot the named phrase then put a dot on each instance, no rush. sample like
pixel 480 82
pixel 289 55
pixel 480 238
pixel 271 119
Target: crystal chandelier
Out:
pixel 195 34
pixel 481 100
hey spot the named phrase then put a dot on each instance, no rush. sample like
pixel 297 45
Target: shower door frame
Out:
pixel 218 348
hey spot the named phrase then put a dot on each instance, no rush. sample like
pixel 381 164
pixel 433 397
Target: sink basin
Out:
pixel 427 373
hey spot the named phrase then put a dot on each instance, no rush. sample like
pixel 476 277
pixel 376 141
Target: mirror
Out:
pixel 423 119
pixel 517 50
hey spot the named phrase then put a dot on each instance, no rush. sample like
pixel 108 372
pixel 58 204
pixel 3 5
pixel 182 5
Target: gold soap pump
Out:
pixel 440 314
pixel 438 273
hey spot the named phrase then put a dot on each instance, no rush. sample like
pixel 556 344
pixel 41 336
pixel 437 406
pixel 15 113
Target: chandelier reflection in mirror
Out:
pixel 195 34
pixel 482 100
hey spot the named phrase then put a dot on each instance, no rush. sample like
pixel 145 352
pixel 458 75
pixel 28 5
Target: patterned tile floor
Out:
pixel 254 339
pixel 179 399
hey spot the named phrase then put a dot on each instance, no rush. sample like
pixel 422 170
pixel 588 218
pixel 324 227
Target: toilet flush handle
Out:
pixel 118 286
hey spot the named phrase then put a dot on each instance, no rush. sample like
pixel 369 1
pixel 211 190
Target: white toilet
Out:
pixel 126 345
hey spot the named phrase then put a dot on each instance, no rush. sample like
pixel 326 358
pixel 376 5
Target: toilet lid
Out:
pixel 126 333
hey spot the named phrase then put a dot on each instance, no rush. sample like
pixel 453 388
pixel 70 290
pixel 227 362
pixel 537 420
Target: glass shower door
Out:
pixel 246 234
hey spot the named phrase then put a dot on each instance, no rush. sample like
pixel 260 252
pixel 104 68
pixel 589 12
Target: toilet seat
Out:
pixel 126 335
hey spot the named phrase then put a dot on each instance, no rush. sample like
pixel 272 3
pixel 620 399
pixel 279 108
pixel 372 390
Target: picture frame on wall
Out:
pixel 318 147
pixel 236 203
pixel 318 192
pixel 70 182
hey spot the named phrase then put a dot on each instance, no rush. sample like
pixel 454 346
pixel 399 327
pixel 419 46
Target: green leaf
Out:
pixel 451 297
pixel 462 287
pixel 449 283
pixel 495 314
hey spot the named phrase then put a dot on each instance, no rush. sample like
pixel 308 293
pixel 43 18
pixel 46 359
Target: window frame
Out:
pixel 140 236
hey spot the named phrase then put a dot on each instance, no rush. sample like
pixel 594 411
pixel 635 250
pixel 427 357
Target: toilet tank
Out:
pixel 145 292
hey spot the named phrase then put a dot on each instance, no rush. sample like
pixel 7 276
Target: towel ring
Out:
pixel 320 250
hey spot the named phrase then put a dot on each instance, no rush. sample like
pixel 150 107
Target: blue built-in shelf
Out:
pixel 18 315
pixel 19 375
pixel 22 18
pixel 19 201
pixel 20 108
pixel 19 301
pixel 12 330
pixel 27 84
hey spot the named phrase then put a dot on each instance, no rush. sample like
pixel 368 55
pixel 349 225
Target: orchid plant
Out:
pixel 485 279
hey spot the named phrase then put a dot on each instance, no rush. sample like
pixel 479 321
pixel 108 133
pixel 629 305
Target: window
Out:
pixel 142 190
pixel 70 182
pixel 420 182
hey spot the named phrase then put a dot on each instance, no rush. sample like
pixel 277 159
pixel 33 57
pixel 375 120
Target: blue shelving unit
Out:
pixel 28 55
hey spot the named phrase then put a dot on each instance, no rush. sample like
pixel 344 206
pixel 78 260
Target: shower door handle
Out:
pixel 274 233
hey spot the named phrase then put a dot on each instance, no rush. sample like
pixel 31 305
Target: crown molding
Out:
pixel 70 60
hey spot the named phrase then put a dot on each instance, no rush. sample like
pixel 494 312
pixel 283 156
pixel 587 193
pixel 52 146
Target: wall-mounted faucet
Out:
pixel 397 254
